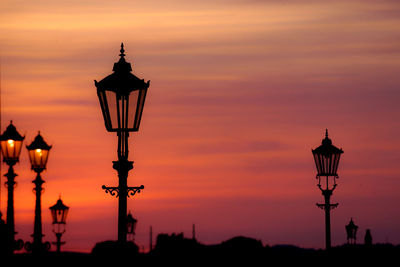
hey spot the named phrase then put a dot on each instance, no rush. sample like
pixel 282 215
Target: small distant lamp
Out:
pixel 131 226
pixel 351 230
pixel 59 214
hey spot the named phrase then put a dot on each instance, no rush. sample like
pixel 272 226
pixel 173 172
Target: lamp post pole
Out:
pixel 122 166
pixel 327 195
pixel 37 228
pixel 58 243
pixel 327 207
pixel 10 184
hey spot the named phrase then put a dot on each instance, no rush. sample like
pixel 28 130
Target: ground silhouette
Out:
pixel 176 250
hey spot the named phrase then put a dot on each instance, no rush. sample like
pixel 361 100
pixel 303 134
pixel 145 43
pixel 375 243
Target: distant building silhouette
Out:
pixel 241 245
pixel 176 244
pixel 107 249
pixel 368 238
pixel 176 250
pixel 177 247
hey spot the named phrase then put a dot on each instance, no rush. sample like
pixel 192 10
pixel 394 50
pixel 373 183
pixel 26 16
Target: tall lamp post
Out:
pixel 122 96
pixel 326 158
pixel 38 155
pixel 11 144
pixel 59 214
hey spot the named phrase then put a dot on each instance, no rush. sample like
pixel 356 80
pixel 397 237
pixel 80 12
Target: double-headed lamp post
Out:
pixel 122 96
pixel 59 214
pixel 38 155
pixel 326 158
pixel 11 144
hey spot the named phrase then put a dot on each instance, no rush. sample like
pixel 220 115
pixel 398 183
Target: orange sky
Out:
pixel 240 93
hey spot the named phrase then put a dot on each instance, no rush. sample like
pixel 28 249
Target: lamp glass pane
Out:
pixel 104 108
pixel 140 105
pixel 123 112
pixel 337 158
pixel 130 228
pixel 64 219
pixel 330 163
pixel 59 216
pixel 4 148
pixel 132 107
pixel 316 162
pixel 38 158
pixel 18 147
pixel 112 104
pixel 53 215
pixel 11 149
pixel 10 146
pixel 322 163
pixel 328 160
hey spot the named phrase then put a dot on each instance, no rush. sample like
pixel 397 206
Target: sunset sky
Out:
pixel 240 93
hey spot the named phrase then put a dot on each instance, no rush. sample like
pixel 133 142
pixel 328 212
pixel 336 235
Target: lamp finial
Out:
pixel 122 51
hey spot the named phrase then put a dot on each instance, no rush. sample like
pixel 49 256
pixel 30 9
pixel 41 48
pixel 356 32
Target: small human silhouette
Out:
pixel 368 238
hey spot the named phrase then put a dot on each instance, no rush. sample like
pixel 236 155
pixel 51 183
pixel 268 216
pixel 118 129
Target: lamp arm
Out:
pixel 334 186
pixel 320 187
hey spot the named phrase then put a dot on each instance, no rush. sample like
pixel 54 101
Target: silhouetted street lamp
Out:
pixel 122 96
pixel 326 158
pixel 11 144
pixel 351 231
pixel 38 155
pixel 59 214
pixel 131 226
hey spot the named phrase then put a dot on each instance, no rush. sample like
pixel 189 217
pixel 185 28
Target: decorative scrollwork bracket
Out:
pixel 130 191
pixel 114 191
pixel 330 206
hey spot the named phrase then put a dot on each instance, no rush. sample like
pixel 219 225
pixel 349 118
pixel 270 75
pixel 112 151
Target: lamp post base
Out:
pixel 58 243
pixel 37 248
pixel 122 192
pixel 327 207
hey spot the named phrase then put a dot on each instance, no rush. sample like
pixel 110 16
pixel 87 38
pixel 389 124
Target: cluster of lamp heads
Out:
pixel 11 145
